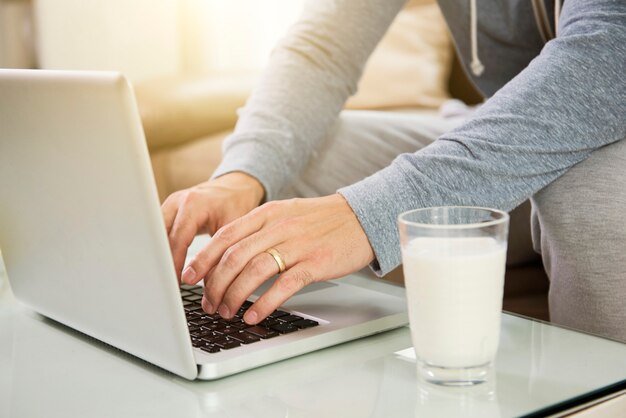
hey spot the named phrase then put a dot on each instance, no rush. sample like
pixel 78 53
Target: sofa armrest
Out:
pixel 176 110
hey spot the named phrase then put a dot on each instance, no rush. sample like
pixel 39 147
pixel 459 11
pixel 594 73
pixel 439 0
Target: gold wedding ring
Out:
pixel 278 258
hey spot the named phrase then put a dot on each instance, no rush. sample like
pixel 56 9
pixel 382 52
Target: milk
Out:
pixel 454 288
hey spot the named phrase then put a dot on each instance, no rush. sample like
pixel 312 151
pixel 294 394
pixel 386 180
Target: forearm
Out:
pixel 568 102
pixel 310 75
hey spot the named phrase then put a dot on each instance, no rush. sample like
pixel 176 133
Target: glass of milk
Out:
pixel 454 261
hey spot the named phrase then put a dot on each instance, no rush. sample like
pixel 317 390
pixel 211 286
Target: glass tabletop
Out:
pixel 50 370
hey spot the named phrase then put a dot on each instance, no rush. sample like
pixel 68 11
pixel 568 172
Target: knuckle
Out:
pixel 190 197
pixel 199 262
pixel 257 267
pixel 295 281
pixel 321 255
pixel 186 197
pixel 289 224
pixel 303 277
pixel 173 197
pixel 224 234
pixel 231 258
pixel 270 208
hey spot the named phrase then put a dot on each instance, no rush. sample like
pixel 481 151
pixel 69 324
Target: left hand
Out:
pixel 318 239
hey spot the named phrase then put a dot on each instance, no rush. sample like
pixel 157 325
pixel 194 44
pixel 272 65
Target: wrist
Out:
pixel 361 240
pixel 245 182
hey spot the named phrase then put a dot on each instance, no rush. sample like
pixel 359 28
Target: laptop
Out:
pixel 84 242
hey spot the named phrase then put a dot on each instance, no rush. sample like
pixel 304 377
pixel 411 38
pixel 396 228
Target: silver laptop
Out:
pixel 84 243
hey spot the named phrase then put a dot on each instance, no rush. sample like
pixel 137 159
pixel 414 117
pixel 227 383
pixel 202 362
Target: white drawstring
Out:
pixel 477 67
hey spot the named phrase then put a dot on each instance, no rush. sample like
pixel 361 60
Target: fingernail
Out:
pixel 250 317
pixel 223 311
pixel 189 275
pixel 208 308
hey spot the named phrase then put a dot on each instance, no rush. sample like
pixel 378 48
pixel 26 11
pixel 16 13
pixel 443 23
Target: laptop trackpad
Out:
pixel 313 287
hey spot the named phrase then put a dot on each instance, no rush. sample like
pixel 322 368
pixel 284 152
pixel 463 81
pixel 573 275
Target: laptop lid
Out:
pixel 80 226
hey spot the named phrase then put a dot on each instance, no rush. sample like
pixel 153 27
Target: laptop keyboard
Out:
pixel 212 333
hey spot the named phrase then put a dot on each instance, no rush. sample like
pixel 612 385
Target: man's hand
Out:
pixel 318 239
pixel 207 207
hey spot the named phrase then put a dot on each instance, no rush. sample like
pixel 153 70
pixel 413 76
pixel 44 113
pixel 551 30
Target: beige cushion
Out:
pixel 186 165
pixel 176 110
pixel 411 65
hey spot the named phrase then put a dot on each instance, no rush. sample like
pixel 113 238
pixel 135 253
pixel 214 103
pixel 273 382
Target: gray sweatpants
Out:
pixel 577 222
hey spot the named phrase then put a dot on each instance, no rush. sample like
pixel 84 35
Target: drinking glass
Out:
pixel 454 260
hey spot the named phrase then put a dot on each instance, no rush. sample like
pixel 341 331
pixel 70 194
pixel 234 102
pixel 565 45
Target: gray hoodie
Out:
pixel 549 106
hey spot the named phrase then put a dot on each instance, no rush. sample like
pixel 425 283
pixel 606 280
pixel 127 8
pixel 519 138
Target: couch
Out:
pixel 186 118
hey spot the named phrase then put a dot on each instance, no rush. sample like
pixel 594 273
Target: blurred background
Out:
pixel 143 38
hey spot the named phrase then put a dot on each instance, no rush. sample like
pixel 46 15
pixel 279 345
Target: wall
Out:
pixel 233 35
pixel 16 34
pixel 144 38
pixel 138 37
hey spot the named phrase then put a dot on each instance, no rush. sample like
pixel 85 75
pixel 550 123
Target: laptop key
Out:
pixel 204 334
pixel 245 337
pixel 239 325
pixel 212 338
pixel 227 322
pixel 211 326
pixel 228 331
pixel 267 323
pixel 284 328
pixel 193 297
pixel 305 323
pixel 262 332
pixel 227 343
pixel 210 348
pixel 198 290
pixel 291 318
pixel 278 314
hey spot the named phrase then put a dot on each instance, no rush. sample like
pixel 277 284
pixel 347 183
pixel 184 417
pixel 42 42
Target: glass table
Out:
pixel 47 369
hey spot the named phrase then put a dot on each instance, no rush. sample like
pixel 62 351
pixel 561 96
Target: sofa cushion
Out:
pixel 176 110
pixel 411 65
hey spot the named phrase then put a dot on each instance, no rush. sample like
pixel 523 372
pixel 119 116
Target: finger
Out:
pixel 169 210
pixel 181 235
pixel 257 271
pixel 290 282
pixel 221 241
pixel 233 264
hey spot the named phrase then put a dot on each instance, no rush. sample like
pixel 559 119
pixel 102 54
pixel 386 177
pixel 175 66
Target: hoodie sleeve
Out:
pixel 309 78
pixel 568 102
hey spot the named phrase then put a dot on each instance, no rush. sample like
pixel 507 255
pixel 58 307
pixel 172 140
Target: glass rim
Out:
pixel 505 218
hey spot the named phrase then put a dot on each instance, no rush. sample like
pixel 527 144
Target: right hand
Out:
pixel 207 207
